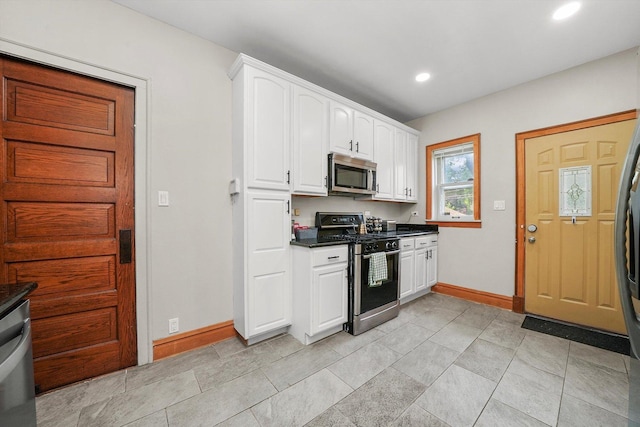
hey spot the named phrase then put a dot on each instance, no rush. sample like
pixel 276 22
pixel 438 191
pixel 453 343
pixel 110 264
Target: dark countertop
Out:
pixel 317 243
pixel 314 243
pixel 12 293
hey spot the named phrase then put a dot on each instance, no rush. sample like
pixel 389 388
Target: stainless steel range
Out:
pixel 374 269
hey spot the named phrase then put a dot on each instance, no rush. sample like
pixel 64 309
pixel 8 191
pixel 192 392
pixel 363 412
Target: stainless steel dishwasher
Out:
pixel 17 392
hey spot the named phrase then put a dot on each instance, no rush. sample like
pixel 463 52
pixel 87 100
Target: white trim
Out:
pixel 142 172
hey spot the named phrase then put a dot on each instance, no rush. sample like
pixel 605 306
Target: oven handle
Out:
pixel 387 253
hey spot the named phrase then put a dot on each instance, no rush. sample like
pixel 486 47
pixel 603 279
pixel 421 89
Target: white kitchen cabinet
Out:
pixel 363 135
pixel 407 267
pixel 406 166
pixel 310 141
pixel 421 262
pixel 320 277
pixel 432 261
pixel 340 128
pixel 412 167
pixel 418 261
pixel 262 102
pixel 350 131
pixel 261 257
pixel 383 135
pixel 262 304
pixel 400 189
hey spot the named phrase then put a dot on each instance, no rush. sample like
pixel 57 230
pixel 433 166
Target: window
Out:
pixel 453 182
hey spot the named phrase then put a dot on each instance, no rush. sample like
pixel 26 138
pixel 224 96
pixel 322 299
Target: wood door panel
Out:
pixel 67 189
pixel 41 105
pixel 58 193
pixel 17 252
pixel 47 307
pixel 574 276
pixel 66 276
pixel 28 221
pixel 607 289
pixel 72 366
pixel 59 334
pixel 46 164
pixel 60 137
pixel 574 152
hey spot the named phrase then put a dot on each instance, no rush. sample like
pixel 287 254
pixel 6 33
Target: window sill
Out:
pixel 459 224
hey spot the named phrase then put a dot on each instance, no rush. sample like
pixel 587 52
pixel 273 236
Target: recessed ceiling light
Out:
pixel 563 12
pixel 423 77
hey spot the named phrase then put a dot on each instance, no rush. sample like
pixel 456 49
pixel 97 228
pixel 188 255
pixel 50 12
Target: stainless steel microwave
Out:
pixel 350 175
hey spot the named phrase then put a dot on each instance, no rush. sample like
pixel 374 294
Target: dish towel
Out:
pixel 377 269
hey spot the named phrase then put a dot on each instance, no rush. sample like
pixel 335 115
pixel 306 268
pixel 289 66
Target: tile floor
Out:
pixel 442 362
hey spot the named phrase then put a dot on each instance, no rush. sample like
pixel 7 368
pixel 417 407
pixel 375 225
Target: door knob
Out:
pixel 532 239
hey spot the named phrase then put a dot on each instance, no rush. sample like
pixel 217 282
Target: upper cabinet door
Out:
pixel 362 136
pixel 268 131
pixel 310 142
pixel 412 167
pixel 383 149
pixel 341 129
pixel 400 189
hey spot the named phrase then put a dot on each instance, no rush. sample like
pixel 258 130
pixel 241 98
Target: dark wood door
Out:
pixel 67 203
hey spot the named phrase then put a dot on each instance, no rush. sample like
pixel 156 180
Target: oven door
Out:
pixel 367 298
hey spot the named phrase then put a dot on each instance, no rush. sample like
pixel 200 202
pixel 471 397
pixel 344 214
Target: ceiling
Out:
pixel 371 50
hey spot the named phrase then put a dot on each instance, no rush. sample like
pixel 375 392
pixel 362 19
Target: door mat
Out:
pixel 611 342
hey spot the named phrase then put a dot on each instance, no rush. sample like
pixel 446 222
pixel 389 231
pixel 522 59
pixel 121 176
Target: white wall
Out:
pixel 484 259
pixel 188 144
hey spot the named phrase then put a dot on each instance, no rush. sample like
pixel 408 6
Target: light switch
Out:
pixel 498 205
pixel 163 198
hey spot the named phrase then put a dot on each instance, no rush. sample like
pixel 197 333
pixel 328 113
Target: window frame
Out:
pixel 431 216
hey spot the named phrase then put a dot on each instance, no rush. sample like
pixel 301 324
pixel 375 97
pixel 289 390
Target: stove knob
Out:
pixel 395 244
pixel 389 245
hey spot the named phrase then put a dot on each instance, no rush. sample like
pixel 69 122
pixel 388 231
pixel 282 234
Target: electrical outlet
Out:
pixel 414 213
pixel 173 325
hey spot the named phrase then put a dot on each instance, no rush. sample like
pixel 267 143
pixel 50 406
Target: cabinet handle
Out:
pixel 406 191
pixel 288 177
pixel 357 146
pixel 410 192
pixel 351 145
pixel 377 188
pixel 333 257
pixel 288 206
pixel 325 181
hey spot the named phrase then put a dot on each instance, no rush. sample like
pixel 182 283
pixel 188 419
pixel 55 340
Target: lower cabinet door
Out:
pixel 269 296
pixel 432 266
pixel 421 268
pixel 407 273
pixel 329 297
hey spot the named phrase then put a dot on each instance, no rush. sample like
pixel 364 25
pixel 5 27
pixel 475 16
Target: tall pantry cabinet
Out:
pixel 262 201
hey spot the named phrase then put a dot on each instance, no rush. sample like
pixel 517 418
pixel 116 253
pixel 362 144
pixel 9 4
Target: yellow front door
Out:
pixel 569 256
